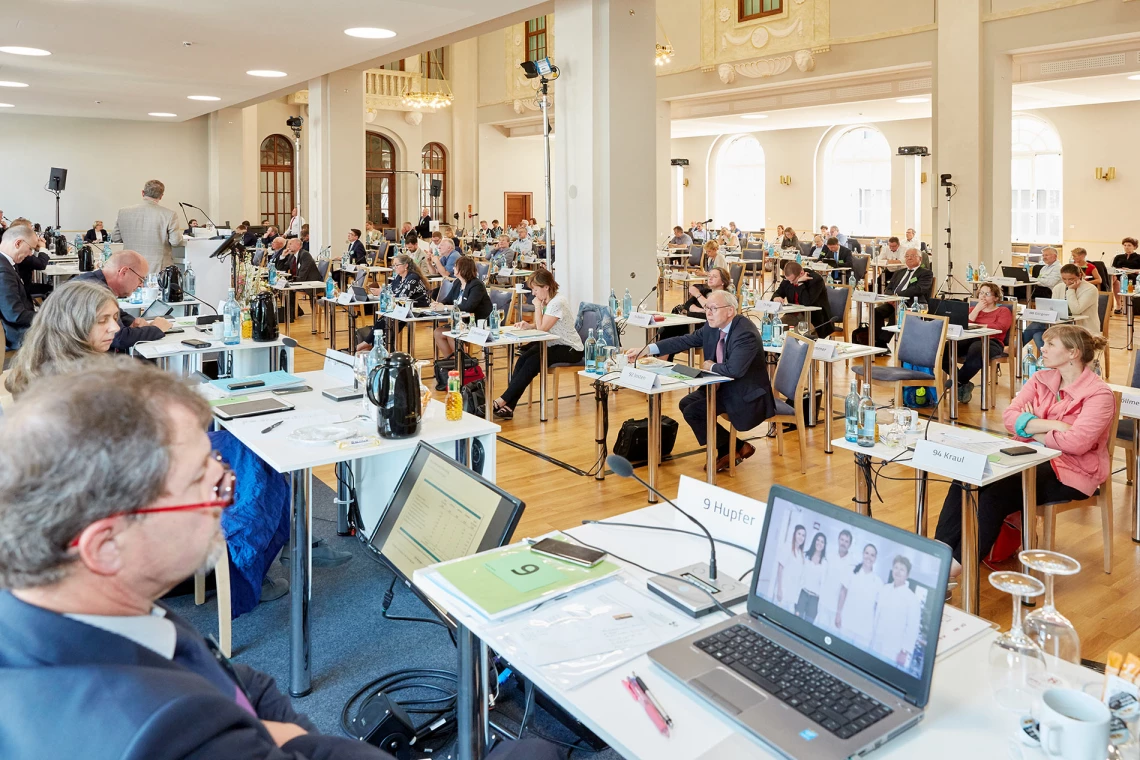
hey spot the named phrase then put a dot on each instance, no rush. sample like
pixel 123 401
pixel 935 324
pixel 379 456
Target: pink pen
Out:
pixel 640 696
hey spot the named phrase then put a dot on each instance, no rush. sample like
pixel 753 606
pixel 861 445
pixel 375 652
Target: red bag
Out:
pixel 1008 542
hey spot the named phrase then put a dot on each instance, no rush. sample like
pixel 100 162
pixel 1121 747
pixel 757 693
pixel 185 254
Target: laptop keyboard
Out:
pixel 811 690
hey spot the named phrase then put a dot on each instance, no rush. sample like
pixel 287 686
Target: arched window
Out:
pixel 380 179
pixel 740 184
pixel 434 170
pixel 276 186
pixel 1036 182
pixel 857 178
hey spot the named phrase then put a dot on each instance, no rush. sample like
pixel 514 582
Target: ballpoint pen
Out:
pixel 652 698
pixel 639 695
pixel 275 424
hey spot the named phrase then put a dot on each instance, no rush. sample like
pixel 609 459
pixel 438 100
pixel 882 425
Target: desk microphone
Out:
pixel 208 219
pixel 683 587
pixel 343 393
pixel 643 300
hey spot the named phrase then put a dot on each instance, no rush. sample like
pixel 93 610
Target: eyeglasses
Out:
pixel 136 274
pixel 709 307
pixel 224 491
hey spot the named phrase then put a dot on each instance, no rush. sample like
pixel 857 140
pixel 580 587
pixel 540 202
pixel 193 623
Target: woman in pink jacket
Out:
pixel 1066 407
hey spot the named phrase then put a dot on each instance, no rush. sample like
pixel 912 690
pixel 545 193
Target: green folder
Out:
pixel 512 578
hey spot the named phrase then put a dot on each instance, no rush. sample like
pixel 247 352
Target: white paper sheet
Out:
pixel 957 629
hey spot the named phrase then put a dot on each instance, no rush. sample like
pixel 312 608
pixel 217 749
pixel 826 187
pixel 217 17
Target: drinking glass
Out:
pixel 1049 628
pixel 360 368
pixel 1015 660
pixel 803 327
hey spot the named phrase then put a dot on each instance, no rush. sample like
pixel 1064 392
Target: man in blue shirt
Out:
pixel 444 261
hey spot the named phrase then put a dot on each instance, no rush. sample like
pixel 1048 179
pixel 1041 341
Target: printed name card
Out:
pixel 344 299
pixel 946 460
pixel 954 331
pixel 1039 315
pixel 479 335
pixel 729 516
pixel 640 319
pixel 640 380
pixel 825 350
pixel 1130 405
pixel 1004 282
pixel 506 271
pixel 349 268
pixel 401 312
pixel 865 296
pixel 768 307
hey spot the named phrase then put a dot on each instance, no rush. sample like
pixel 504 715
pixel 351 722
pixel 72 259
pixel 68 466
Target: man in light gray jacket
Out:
pixel 149 228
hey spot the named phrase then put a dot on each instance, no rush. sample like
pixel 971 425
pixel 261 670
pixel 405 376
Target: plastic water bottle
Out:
pixel 600 355
pixel 851 280
pixel 591 351
pixel 766 330
pixel 344 260
pixel 379 354
pixel 745 298
pixel 851 414
pixel 982 274
pixel 272 274
pixel 799 258
pixel 866 434
pixel 190 279
pixel 627 303
pixel 78 242
pixel 493 323
pixel 260 245
pixel 969 272
pixel 330 287
pixel 231 312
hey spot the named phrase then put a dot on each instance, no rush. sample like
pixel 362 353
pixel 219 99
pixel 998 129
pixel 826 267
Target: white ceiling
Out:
pixel 1109 88
pixel 130 55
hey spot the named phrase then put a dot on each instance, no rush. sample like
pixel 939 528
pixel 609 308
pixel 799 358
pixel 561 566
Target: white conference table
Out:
pixel 185 305
pixel 961 719
pixel 417 314
pixel 977 332
pixel 243 362
pixel 872 300
pixel 959 437
pixel 297 461
pixel 312 287
pixel 509 337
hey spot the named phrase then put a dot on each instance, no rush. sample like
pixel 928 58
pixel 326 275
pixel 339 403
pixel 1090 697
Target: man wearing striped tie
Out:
pixel 734 343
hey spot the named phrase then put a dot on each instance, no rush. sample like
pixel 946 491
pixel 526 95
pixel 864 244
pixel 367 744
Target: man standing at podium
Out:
pixel 149 228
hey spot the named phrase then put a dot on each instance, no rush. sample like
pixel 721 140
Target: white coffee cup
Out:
pixel 219 330
pixel 621 359
pixel 1074 725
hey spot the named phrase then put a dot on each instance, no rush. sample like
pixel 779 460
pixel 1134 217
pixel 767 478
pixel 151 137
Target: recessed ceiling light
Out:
pixel 162 113
pixel 913 100
pixel 370 32
pixel 202 97
pixel 1134 77
pixel 754 116
pixel 266 73
pixel 12 84
pixel 17 50
pixel 6 105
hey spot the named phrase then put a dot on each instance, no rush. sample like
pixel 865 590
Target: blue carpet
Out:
pixel 352 644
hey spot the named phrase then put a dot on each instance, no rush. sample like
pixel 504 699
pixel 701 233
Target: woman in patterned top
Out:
pixel 409 281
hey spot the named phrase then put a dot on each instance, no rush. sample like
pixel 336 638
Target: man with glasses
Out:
pixel 16 308
pixel 121 274
pixel 732 348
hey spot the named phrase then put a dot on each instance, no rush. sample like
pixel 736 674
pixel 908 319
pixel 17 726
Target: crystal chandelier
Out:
pixel 664 52
pixel 426 98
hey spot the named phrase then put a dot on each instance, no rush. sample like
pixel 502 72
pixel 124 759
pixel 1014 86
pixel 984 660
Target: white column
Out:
pixel 911 195
pixel 334 137
pixel 251 166
pixel 666 200
pixel 463 159
pixel 997 135
pixel 605 200
pixel 225 165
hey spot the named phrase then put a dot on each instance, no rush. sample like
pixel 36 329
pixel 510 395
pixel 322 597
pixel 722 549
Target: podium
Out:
pixel 211 276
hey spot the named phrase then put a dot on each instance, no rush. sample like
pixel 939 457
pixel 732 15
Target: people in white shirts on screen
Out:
pixel 811 580
pixel 855 617
pixel 789 569
pixel 897 616
pixel 835 582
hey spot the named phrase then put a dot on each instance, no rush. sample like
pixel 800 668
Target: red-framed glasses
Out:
pixel 224 491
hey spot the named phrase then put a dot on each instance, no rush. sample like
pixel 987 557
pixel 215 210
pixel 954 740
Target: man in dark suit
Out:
pixel 36 261
pixel 356 250
pixel 913 282
pixel 121 274
pixel 423 228
pixel 248 236
pixel 835 254
pixel 732 348
pixel 16 307
pixel 803 287
pixel 127 506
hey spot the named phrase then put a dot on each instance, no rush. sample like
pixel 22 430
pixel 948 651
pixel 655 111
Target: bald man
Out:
pixel 121 274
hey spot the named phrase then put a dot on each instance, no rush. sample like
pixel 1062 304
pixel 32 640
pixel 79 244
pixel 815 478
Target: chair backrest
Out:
pixel 696 253
pixel 501 300
pixel 859 266
pixel 838 297
pixel 1134 375
pixel 1103 271
pixel 323 268
pixel 257 257
pixel 922 339
pixel 735 271
pixel 752 254
pixel 1102 310
pixel 381 254
pixel 793 367
pixel 805 247
pixel 1034 269
pixel 1112 431
pixel 482 269
pixel 597 317
pixel 360 275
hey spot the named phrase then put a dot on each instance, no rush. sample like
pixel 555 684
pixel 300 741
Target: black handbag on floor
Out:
pixel 633 439
pixel 471 370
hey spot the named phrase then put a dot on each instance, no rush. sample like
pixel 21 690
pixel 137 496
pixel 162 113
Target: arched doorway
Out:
pixel 380 180
pixel 1036 182
pixel 740 184
pixel 434 169
pixel 276 185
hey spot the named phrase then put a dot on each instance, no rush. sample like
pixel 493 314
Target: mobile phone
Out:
pixel 287 391
pixel 564 550
pixel 1017 451
pixel 195 343
pixel 242 385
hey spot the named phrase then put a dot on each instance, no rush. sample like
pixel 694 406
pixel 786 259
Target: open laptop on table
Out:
pixel 808 675
pixel 1058 305
pixel 1017 273
pixel 957 312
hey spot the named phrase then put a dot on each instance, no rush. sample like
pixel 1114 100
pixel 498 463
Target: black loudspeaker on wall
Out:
pixel 436 188
pixel 58 180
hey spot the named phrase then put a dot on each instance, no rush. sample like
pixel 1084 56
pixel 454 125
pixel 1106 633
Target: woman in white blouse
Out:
pixel 789 568
pixel 811 580
pixel 855 619
pixel 552 314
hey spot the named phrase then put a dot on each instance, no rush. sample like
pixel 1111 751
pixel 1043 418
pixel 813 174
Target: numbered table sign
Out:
pixel 523 572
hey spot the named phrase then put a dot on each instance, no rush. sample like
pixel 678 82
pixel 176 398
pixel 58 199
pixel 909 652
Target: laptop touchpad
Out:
pixel 728 691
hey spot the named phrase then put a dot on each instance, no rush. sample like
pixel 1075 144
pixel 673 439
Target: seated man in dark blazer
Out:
pixel 16 307
pixel 732 348
pixel 248 236
pixel 913 282
pixel 92 665
pixel 356 250
pixel 835 254
pixel 804 287
pixel 121 274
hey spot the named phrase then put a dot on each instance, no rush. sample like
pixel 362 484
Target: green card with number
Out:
pixel 512 578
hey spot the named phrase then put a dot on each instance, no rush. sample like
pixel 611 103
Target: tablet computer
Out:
pixel 240 409
pixel 157 308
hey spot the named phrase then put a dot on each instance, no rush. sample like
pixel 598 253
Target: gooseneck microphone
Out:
pixel 623 469
pixel 643 300
pixel 291 343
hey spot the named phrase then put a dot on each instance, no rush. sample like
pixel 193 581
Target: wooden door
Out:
pixel 517 207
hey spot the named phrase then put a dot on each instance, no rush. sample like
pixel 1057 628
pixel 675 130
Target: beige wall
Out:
pixel 510 165
pixel 409 140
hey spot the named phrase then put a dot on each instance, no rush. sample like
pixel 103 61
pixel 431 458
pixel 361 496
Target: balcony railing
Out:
pixel 383 83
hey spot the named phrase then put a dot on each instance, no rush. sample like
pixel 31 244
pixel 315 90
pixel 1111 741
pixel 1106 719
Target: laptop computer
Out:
pixel 958 312
pixel 1017 273
pixel 1059 305
pixel 806 673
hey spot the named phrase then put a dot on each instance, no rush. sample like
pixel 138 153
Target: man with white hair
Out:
pixel 16 307
pixel 149 228
pixel 121 274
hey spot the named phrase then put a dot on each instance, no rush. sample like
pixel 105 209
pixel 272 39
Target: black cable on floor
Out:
pixel 390 594
pixel 413 678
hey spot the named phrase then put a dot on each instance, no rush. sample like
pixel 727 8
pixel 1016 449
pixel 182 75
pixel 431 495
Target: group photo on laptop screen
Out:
pixel 871 592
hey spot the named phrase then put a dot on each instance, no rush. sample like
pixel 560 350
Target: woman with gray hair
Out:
pixel 78 321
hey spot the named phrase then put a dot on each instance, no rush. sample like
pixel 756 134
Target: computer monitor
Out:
pixel 878 606
pixel 441 511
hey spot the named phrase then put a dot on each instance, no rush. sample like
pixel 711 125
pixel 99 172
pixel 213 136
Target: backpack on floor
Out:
pixel 472 371
pixel 633 439
pixel 921 396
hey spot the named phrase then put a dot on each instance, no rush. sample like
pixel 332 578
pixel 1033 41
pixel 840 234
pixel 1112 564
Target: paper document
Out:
pixel 958 629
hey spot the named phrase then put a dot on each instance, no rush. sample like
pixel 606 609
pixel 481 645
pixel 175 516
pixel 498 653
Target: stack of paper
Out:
pixel 270 381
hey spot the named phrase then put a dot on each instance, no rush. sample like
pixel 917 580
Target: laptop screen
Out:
pixel 868 592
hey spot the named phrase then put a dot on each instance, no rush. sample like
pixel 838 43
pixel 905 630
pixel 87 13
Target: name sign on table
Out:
pixel 344 299
pixel 479 334
pixel 865 296
pixel 640 379
pixel 1130 405
pixel 1039 315
pixel 640 319
pixel 507 271
pixel 954 331
pixel 825 350
pixel 401 312
pixel 1004 282
pixel 729 516
pixel 957 463
pixel 768 307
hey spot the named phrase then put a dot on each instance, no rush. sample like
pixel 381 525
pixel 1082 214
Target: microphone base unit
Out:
pixel 691 600
pixel 345 393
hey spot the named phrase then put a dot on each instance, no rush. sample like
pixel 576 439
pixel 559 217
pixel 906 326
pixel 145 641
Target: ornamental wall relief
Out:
pixel 792 37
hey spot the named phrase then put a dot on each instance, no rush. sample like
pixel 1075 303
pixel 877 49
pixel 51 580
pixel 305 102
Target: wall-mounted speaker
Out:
pixel 57 181
pixel 436 188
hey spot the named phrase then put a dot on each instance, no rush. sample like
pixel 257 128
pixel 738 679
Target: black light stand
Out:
pixel 947 287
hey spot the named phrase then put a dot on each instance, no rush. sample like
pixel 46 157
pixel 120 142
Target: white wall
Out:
pixel 511 165
pixel 108 162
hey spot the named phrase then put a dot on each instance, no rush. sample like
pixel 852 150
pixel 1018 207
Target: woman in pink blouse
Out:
pixel 1066 407
pixel 988 313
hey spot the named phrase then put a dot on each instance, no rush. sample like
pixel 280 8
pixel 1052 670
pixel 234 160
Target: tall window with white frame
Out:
pixel 1036 176
pixel 857 178
pixel 434 170
pixel 276 183
pixel 740 184
pixel 536 39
